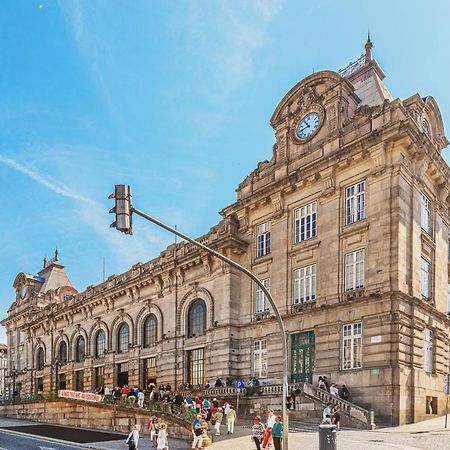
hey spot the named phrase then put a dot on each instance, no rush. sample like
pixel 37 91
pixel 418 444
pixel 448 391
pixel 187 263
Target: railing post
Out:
pixel 372 420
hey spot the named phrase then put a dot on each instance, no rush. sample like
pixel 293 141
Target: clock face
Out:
pixel 23 291
pixel 308 125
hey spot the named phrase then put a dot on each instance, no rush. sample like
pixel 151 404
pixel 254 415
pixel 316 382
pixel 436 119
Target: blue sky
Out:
pixel 174 98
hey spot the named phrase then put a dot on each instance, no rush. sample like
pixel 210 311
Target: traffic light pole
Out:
pixel 266 293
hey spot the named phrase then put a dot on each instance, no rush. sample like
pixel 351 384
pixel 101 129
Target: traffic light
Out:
pixel 122 209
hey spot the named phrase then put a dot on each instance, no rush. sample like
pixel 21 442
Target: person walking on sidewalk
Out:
pixel 162 443
pixel 133 438
pixel 268 433
pixel 231 418
pixel 216 420
pixel 197 430
pixel 277 433
pixel 258 432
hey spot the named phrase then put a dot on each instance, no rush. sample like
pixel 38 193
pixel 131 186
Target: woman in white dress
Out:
pixel 133 438
pixel 162 443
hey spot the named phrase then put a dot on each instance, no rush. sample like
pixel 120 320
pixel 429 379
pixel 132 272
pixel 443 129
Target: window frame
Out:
pixel 425 280
pixel 428 350
pixel 123 340
pixel 194 329
pixel 311 283
pixel 147 341
pixel 354 339
pixel 263 234
pixel 309 219
pixel 355 283
pixel 196 367
pixel 100 344
pixel 426 214
pixel 259 359
pixel 40 359
pixel 80 357
pixel 62 361
pixel 261 298
pixel 352 210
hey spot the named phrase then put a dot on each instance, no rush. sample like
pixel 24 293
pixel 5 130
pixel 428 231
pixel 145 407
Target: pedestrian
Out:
pixel 327 413
pixel 153 426
pixel 216 420
pixel 162 443
pixel 197 431
pixel 226 408
pixel 231 419
pixel 321 384
pixel 334 390
pixel 268 433
pixel 258 432
pixel 345 394
pixel 336 418
pixel 133 438
pixel 141 398
pixel 277 433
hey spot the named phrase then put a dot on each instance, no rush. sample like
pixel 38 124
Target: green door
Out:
pixel 302 357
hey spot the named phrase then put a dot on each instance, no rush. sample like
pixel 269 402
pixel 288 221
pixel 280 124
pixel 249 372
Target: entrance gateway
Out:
pixel 302 357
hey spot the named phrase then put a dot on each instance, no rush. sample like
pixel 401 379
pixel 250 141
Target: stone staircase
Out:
pixel 309 403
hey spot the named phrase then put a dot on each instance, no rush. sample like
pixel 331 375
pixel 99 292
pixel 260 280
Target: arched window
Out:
pixel 124 338
pixel 150 331
pixel 62 353
pixel 40 359
pixel 81 349
pixel 197 318
pixel 100 344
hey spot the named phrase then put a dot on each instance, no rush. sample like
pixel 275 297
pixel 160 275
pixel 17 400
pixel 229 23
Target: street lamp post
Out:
pixel 124 211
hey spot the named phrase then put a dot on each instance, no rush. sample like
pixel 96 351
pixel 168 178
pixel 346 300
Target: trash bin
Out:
pixel 327 437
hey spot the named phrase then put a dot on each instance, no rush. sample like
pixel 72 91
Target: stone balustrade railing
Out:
pixel 355 412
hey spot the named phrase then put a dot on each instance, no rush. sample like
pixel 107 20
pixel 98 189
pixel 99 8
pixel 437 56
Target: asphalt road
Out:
pixel 9 441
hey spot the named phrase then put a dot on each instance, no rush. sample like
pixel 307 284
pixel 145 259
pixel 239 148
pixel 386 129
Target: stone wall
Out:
pixel 86 415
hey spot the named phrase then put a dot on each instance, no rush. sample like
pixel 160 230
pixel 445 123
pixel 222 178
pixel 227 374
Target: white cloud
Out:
pixel 128 249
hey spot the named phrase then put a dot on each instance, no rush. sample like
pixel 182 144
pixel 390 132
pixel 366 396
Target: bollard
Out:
pixel 327 437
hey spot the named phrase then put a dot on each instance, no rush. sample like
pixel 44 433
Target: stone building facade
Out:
pixel 348 226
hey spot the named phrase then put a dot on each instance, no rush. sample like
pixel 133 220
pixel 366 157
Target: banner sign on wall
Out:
pixel 77 395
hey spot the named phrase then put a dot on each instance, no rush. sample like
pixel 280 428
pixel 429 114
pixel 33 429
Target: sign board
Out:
pixel 375 339
pixel 239 384
pixel 77 395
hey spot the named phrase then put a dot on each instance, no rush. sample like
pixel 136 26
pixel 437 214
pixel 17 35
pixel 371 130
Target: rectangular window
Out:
pixel 425 273
pixel 62 381
pixel 99 376
pixel 196 367
pixel 355 203
pixel 260 359
pixel 261 301
pixel 79 380
pixel 428 351
pixel 150 371
pixel 354 270
pixel 352 346
pixel 305 284
pixel 425 214
pixel 263 239
pixel 305 223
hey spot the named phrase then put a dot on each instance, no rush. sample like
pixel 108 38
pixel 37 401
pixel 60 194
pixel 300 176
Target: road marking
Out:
pixel 43 448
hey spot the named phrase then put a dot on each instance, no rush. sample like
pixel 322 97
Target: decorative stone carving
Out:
pixel 242 216
pixel 278 204
pixel 328 180
pixel 377 153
